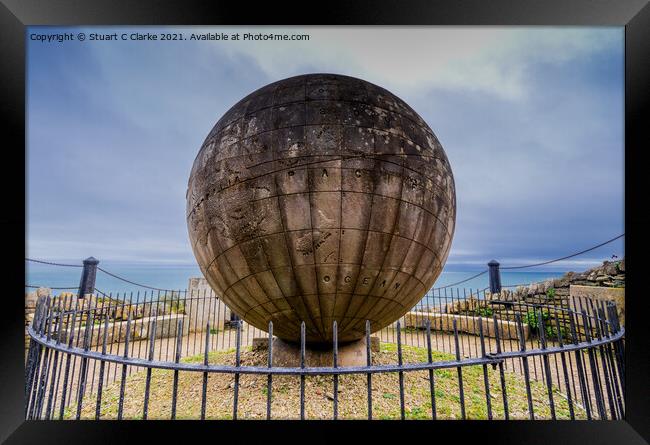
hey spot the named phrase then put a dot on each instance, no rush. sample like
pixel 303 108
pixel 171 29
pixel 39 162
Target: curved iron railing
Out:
pixel 69 364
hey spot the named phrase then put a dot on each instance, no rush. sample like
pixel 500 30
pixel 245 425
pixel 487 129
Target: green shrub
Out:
pixel 484 312
pixel 531 319
pixel 550 293
pixel 552 333
pixel 550 330
pixel 174 302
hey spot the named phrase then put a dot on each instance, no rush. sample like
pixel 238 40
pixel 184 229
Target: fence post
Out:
pixel 88 275
pixel 495 277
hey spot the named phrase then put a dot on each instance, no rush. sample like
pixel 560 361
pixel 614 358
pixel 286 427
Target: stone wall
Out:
pixel 609 274
pixel 464 323
pixel 614 294
pixel 139 329
pixel 198 306
pixel 605 282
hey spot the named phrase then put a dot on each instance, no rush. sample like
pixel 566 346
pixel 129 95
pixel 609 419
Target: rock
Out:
pixel 619 277
pixel 561 282
pixel 133 310
pixel 30 300
pixel 601 278
pixel 43 292
pixel 67 301
pixel 609 268
pixel 122 312
pixel 260 344
pixel 562 292
pixel 621 265
pixel 330 396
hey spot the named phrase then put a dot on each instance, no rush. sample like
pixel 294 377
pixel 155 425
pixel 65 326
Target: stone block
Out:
pixel 203 306
pixel 615 294
pixel 464 305
pixel 43 292
pixel 286 354
pixel 30 300
pixel 464 323
pixel 166 326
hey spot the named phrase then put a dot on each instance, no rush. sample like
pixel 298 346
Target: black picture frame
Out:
pixel 634 15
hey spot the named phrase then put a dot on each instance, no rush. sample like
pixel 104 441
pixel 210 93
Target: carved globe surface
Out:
pixel 318 198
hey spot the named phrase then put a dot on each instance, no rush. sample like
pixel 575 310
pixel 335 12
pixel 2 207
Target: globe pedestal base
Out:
pixel 286 354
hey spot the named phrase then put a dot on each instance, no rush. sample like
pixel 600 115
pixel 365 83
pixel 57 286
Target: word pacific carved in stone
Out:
pixel 319 198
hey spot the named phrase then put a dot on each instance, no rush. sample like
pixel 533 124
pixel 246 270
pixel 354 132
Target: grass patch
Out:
pixel 352 396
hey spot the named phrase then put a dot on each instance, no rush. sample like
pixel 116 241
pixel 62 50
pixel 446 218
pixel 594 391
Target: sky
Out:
pixel 531 120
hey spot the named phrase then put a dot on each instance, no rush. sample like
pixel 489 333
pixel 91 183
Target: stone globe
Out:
pixel 317 198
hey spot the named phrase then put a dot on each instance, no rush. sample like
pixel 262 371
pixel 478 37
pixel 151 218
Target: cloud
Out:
pixel 530 118
pixel 483 59
pixel 574 265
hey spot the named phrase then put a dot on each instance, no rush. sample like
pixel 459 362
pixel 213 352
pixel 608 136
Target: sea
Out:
pixel 176 277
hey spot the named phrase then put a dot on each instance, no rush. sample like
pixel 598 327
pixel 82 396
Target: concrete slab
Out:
pixel 287 354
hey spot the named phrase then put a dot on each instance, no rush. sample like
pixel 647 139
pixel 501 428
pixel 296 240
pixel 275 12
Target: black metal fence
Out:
pixel 468 354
